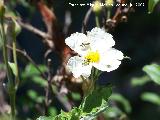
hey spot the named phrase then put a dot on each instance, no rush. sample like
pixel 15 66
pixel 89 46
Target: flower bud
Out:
pixel 17 27
pixel 13 28
pixel 2 9
pixel 97 7
pixel 1 4
pixel 109 3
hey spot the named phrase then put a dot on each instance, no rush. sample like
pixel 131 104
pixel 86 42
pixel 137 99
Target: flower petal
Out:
pixel 113 65
pixel 75 65
pixel 115 54
pixel 109 60
pixel 100 40
pixel 77 42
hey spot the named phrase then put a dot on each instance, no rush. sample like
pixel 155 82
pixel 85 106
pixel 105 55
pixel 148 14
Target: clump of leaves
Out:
pixel 92 105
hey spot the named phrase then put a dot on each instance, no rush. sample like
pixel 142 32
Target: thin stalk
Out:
pixel 97 21
pixel 48 87
pixel 12 35
pixel 5 56
pixel 11 88
pixel 12 95
pixel 15 61
pixel 15 87
pixel 108 13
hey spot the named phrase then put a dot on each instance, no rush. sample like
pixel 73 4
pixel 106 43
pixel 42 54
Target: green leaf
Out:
pixel 92 115
pixel 74 114
pixel 119 98
pixel 151 5
pixel 35 97
pixel 13 68
pixel 39 80
pixel 31 70
pixel 94 104
pixel 39 99
pixel 76 96
pixel 151 97
pixel 112 112
pixel 96 99
pixel 32 94
pixel 52 111
pixel 153 71
pixel 140 81
pixel 45 118
pixel 17 27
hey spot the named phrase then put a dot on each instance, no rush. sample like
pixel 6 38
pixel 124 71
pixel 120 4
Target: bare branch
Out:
pixel 34 30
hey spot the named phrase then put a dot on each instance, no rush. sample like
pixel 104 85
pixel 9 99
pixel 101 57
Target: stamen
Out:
pixel 92 57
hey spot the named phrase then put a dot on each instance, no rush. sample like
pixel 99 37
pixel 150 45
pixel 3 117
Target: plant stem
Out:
pixel 12 95
pixel 5 56
pixel 12 35
pixel 108 14
pixel 97 21
pixel 15 56
pixel 47 92
pixel 11 87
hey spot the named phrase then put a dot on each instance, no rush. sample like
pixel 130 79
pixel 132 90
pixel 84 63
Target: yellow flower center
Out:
pixel 92 57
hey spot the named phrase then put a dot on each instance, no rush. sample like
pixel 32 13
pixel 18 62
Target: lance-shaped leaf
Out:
pixel 153 71
pixel 152 4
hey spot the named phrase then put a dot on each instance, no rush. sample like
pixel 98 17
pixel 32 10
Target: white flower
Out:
pixel 94 49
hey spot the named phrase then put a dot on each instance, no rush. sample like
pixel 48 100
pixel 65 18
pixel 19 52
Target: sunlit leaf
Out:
pixel 119 98
pixel 151 5
pixel 112 112
pixel 40 99
pixel 35 97
pixel 39 80
pixel 13 68
pixel 45 118
pixel 153 71
pixel 52 111
pixel 140 81
pixel 94 104
pixel 76 96
pixel 95 99
pixel 31 70
pixel 151 97
pixel 17 27
pixel 32 94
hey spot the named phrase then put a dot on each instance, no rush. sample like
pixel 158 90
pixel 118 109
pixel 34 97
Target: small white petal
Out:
pixel 108 67
pixel 100 40
pixel 116 54
pixel 76 41
pixel 109 60
pixel 75 66
pixel 86 71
